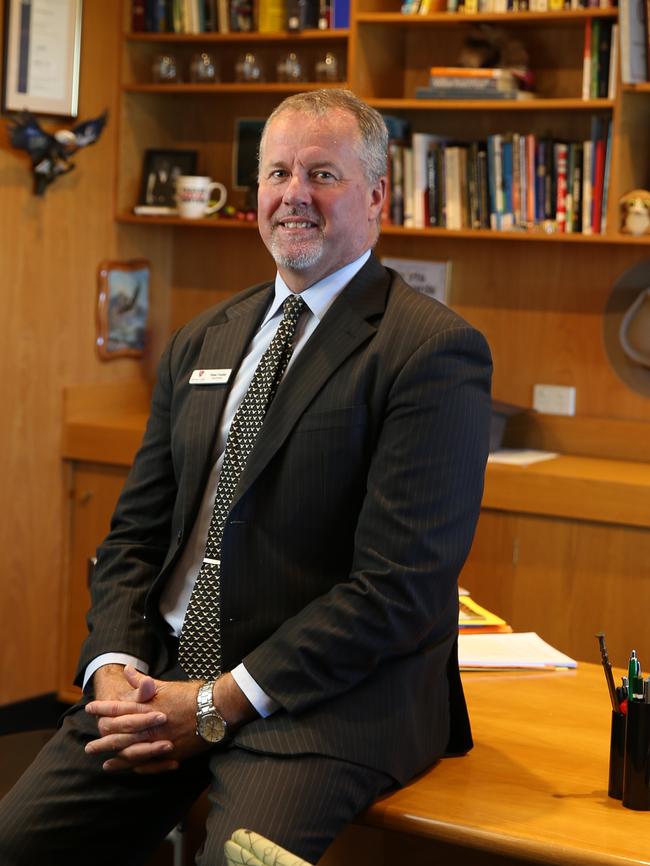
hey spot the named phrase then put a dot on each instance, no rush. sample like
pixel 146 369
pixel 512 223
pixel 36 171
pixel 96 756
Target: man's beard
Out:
pixel 299 259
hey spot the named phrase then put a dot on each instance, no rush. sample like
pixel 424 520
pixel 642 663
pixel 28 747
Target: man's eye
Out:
pixel 279 173
pixel 323 175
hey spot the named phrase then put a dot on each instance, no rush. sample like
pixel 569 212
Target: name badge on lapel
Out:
pixel 209 377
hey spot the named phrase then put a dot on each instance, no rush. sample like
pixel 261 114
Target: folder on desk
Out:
pixel 518 650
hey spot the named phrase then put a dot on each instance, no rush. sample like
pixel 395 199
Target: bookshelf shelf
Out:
pixel 552 19
pixel 540 105
pixel 225 88
pixel 218 223
pixel 228 225
pixel 339 35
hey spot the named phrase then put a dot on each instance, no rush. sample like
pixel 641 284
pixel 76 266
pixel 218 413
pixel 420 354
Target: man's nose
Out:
pixel 297 191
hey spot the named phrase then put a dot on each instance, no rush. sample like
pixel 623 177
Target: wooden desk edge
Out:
pixel 384 816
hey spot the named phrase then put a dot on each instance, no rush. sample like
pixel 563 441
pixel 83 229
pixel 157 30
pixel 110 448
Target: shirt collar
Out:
pixel 322 294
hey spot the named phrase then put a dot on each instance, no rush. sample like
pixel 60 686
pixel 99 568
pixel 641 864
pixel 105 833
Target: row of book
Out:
pixel 508 182
pixel 600 60
pixel 469 7
pixel 232 16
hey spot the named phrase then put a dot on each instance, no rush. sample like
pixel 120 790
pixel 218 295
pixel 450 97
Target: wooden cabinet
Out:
pixel 93 492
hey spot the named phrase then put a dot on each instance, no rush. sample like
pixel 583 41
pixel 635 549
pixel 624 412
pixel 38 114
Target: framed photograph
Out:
pixel 246 142
pixel 42 47
pixel 160 168
pixel 122 308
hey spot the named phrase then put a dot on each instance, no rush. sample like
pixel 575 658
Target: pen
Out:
pixel 608 673
pixel 633 674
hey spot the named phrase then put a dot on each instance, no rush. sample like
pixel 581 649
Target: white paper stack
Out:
pixel 509 652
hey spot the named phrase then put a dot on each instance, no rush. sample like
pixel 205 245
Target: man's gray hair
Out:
pixel 373 151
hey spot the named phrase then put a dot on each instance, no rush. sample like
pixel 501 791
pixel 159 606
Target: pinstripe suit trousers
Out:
pixel 66 811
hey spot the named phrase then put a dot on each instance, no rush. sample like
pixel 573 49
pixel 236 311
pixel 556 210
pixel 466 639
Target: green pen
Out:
pixel 633 673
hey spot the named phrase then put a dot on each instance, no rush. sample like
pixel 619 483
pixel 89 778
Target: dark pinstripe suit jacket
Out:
pixel 348 529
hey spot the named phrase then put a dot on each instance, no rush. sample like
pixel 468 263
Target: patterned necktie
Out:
pixel 199 651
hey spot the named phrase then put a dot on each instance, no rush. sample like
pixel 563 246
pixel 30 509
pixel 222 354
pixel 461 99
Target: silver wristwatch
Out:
pixel 210 724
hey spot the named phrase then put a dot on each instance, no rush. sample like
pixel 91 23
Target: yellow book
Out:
pixel 472 617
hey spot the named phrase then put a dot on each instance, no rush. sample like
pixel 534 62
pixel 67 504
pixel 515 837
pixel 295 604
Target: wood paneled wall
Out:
pixel 49 252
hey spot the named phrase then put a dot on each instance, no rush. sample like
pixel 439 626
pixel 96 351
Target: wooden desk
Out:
pixel 533 789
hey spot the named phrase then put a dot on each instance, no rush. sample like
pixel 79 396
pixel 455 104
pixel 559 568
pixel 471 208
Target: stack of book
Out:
pixel 510 181
pixel 459 82
pixel 474 619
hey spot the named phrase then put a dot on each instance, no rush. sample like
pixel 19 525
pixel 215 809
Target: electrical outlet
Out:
pixel 554 399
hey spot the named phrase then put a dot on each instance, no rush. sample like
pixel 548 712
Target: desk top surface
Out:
pixel 535 784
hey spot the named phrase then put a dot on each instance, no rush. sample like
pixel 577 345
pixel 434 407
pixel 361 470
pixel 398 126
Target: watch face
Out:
pixel 212 728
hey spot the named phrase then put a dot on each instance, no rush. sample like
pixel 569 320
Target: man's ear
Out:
pixel 377 198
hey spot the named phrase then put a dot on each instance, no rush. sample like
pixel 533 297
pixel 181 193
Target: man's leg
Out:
pixel 299 802
pixel 65 810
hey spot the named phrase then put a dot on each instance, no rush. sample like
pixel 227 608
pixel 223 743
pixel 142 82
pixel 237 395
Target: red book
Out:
pixel 138 20
pixel 597 193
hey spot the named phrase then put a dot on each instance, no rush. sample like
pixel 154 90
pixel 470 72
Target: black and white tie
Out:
pixel 199 651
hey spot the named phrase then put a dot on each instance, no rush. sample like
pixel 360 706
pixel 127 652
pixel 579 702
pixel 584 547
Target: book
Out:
pixel 561 153
pixel 453 205
pixel 272 15
pixel 340 14
pixel 469 93
pixel 604 48
pixel 470 72
pixel 587 168
pixel 421 143
pixel 138 20
pixel 509 652
pixel 428 277
pixel 479 84
pixel 586 61
pixel 407 180
pixel 613 63
pixel 633 42
pixel 474 619
pixel 608 160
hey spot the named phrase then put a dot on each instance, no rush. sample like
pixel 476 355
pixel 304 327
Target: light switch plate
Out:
pixel 554 399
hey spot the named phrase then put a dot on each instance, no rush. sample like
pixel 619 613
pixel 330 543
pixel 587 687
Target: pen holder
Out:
pixel 636 772
pixel 616 755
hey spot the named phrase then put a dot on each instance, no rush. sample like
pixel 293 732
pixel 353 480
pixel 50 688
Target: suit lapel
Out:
pixel 223 347
pixel 345 327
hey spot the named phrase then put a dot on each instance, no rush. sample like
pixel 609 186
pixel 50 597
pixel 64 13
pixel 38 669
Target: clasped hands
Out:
pixel 145 725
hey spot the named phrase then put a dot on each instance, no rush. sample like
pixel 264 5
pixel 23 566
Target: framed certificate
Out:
pixel 41 56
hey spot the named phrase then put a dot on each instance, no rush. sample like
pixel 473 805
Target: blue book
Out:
pixel 492 191
pixel 340 14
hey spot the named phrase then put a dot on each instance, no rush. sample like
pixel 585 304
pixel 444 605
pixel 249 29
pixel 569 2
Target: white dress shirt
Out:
pixel 176 594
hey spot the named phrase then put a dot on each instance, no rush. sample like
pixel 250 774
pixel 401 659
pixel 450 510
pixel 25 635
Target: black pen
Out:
pixel 608 673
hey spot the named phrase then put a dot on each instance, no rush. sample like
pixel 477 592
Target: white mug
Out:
pixel 193 196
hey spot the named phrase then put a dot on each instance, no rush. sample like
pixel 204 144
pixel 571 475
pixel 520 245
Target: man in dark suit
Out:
pixel 291 642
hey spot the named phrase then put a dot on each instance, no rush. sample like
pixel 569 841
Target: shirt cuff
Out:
pixel 113 659
pixel 264 704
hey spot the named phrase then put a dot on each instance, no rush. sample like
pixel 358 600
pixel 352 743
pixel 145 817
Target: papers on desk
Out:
pixel 509 652
pixel 519 456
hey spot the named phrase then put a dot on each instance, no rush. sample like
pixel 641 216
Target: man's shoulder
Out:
pixel 420 311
